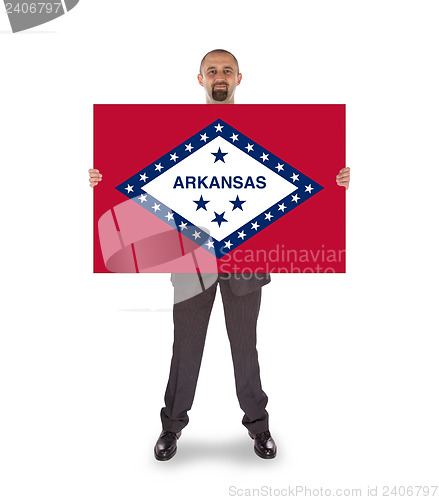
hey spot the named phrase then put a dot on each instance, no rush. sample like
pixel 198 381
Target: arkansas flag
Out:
pixel 219 188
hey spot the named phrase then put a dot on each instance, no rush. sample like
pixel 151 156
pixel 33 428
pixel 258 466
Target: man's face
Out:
pixel 219 78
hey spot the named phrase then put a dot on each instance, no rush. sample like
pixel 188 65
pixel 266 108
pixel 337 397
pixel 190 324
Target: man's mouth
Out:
pixel 220 86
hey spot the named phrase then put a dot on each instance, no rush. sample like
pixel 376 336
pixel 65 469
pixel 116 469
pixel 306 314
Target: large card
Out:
pixel 219 188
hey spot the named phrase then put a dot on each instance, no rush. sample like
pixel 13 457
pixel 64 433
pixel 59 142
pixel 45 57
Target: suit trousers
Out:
pixel 191 319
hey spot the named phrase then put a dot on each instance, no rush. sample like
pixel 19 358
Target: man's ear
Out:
pixel 239 79
pixel 200 80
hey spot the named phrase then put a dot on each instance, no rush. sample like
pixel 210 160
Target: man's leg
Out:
pixel 191 319
pixel 241 313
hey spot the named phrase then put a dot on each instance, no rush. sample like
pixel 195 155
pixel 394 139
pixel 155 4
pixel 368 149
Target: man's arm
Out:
pixel 343 177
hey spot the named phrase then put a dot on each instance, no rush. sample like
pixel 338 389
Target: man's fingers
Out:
pixel 95 177
pixel 343 176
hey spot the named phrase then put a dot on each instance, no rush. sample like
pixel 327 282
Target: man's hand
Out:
pixel 343 177
pixel 95 177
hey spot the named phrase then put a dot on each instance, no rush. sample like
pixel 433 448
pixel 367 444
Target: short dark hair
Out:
pixel 218 51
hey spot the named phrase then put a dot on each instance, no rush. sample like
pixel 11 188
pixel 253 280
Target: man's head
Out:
pixel 219 75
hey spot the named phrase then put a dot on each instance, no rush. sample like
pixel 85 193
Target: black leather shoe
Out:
pixel 166 446
pixel 265 447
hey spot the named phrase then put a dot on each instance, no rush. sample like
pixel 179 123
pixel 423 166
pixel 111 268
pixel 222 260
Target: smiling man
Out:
pixel 241 297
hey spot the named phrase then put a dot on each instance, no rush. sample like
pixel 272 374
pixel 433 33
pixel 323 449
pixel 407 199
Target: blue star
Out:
pixel 219 155
pixel 237 203
pixel 219 218
pixel 201 203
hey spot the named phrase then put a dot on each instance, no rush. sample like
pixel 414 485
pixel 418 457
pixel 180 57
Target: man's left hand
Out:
pixel 343 177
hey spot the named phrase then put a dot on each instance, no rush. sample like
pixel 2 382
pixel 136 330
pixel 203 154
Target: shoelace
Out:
pixel 264 435
pixel 170 434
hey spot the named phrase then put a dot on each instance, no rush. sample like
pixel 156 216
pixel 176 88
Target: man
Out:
pixel 219 76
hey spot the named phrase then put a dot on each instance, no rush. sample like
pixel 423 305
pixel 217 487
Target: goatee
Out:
pixel 220 94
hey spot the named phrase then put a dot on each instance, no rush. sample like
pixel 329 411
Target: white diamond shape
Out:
pixel 202 163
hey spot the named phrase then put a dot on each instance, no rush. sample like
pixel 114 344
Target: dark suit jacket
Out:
pixel 187 285
pixel 242 284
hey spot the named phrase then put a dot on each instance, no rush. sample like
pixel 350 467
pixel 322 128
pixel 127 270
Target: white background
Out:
pixel 349 362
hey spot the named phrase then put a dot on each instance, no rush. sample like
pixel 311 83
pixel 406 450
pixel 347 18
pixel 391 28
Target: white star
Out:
pixel 295 177
pixel 158 167
pixel 169 216
pixel 227 244
pixel 196 235
pixel 264 157
pixel 241 235
pixel 203 137
pixel 268 216
pixel 143 177
pixel 281 207
pixel 234 137
pixel 156 207
pixel 279 166
pixel 129 188
pixel 219 128
pixel 249 147
pixel 295 198
pixel 174 157
pixel 183 225
pixel 209 244
pixel 308 189
pixel 189 147
pixel 255 225
pixel 142 198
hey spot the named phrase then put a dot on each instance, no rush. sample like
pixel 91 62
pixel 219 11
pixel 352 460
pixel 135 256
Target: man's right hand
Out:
pixel 95 177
